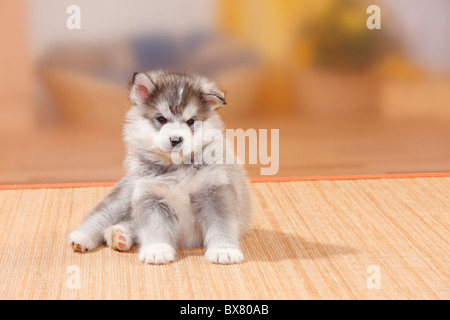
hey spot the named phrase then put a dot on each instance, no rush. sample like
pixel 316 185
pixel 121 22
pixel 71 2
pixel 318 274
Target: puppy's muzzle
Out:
pixel 176 140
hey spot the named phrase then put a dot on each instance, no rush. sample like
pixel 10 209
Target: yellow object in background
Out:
pixel 268 28
pixel 293 38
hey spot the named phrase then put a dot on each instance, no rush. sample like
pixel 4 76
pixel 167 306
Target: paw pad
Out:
pixel 118 239
pixel 81 242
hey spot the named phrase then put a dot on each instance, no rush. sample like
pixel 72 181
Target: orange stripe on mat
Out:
pixel 253 180
pixel 56 185
pixel 354 177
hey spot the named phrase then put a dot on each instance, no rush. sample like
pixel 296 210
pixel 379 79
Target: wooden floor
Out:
pixel 350 239
pixel 307 147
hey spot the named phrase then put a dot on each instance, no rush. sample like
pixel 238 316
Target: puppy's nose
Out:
pixel 175 140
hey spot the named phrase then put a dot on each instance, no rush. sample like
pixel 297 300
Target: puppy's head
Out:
pixel 168 110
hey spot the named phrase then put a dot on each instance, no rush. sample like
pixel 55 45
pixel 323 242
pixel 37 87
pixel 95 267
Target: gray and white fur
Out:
pixel 160 205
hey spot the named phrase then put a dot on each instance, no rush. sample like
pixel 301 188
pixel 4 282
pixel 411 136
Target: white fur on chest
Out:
pixel 176 190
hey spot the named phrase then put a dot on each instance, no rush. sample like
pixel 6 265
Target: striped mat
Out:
pixel 327 239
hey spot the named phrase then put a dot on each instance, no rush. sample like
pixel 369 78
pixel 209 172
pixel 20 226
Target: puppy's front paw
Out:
pixel 81 242
pixel 157 253
pixel 224 255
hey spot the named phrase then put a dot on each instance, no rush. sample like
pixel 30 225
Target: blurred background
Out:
pixel 346 99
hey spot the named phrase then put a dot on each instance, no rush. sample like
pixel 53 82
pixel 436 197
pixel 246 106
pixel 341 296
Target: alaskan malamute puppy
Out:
pixel 181 189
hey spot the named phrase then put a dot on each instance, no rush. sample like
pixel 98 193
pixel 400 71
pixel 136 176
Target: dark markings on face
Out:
pixel 152 115
pixel 176 93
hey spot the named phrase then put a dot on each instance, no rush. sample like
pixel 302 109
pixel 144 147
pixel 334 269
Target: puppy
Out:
pixel 181 189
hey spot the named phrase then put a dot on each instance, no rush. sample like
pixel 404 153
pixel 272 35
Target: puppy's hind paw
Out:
pixel 118 237
pixel 81 242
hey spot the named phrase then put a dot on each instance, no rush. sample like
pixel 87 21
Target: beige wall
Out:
pixel 16 84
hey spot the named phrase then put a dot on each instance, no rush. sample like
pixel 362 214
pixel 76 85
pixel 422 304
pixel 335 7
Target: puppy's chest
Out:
pixel 175 191
pixel 177 196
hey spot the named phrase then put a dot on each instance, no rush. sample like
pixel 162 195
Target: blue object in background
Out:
pixel 155 52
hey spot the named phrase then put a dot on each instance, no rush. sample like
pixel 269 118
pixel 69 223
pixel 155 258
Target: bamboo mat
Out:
pixel 355 239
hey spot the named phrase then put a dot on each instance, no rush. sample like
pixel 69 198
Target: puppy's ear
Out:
pixel 141 87
pixel 213 96
pixel 215 100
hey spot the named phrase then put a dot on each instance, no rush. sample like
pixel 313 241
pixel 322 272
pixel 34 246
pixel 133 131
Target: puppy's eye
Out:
pixel 190 122
pixel 161 120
